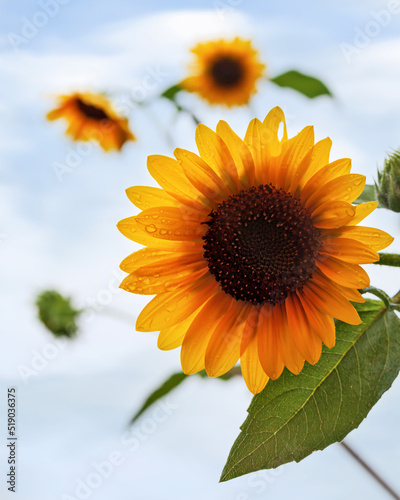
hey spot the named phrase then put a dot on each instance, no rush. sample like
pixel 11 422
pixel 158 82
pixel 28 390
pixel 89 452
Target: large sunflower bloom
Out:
pixel 252 250
pixel 91 117
pixel 225 72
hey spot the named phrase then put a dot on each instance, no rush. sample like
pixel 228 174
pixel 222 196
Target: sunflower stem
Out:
pixel 396 298
pixel 111 312
pixel 388 259
pixel 370 471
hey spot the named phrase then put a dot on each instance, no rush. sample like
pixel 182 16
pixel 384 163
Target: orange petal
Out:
pixel 343 273
pixel 307 342
pixel 272 122
pixel 145 197
pixel 168 309
pixel 290 355
pixel 268 344
pixel 213 151
pixel 321 324
pixel 362 211
pixel 240 154
pixel 333 214
pixel 328 300
pixel 200 331
pixel 223 350
pixel 351 251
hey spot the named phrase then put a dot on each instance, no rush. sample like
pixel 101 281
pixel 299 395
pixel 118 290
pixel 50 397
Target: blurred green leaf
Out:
pixel 171 92
pixel 170 384
pixel 173 382
pixel 296 415
pixel 367 195
pixel 306 85
pixel 57 313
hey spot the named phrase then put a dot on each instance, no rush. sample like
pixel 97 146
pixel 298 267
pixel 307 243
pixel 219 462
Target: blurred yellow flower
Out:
pixel 225 72
pixel 91 117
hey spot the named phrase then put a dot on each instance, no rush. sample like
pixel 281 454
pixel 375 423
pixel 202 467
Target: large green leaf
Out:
pixel 306 85
pixel 296 415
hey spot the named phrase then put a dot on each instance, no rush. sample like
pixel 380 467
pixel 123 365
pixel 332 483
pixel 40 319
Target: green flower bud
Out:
pixel 57 313
pixel 388 185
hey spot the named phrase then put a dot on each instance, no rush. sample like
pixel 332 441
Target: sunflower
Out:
pixel 225 72
pixel 252 250
pixel 91 116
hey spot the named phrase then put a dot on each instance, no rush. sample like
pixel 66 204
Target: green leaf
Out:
pixel 171 92
pixel 306 85
pixel 170 384
pixel 367 195
pixel 296 415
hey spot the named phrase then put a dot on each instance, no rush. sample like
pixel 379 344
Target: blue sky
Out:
pixel 62 234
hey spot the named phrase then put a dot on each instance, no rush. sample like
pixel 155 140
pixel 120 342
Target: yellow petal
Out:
pixel 172 223
pixel 316 158
pixel 373 238
pixel 240 154
pixel 145 283
pixel 145 197
pixel 170 176
pixel 202 176
pixel 344 188
pixel 261 143
pixel 168 309
pixel 157 259
pixel 170 338
pixel 273 121
pixel 296 149
pixel 322 176
pixel 333 214
pixel 213 151
pixel 343 273
pixel 254 375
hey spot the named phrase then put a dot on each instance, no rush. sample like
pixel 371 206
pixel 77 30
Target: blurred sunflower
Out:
pixel 225 72
pixel 91 116
pixel 252 250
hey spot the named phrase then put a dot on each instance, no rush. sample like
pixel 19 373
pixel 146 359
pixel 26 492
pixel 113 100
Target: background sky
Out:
pixel 73 411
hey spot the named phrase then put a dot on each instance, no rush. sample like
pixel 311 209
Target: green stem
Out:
pixel 388 259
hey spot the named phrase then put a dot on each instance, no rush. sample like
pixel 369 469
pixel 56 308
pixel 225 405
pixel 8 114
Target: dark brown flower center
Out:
pixel 227 71
pixel 261 245
pixel 90 111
